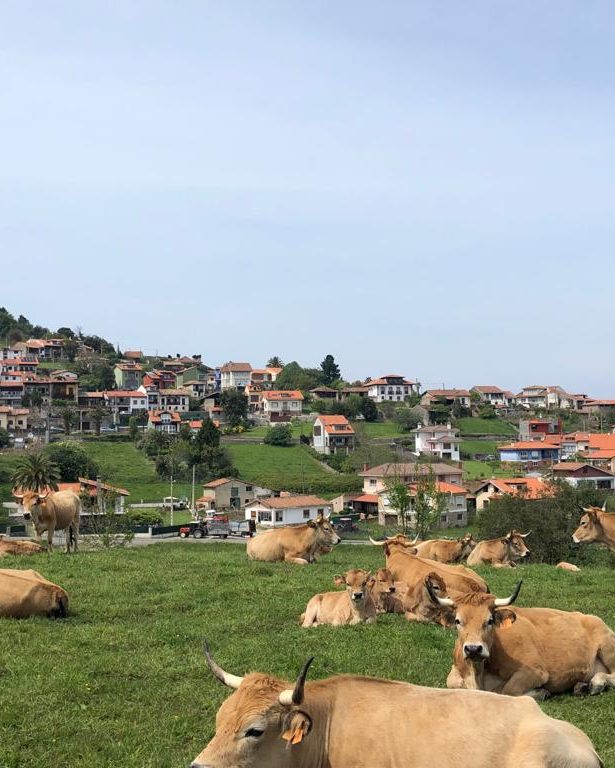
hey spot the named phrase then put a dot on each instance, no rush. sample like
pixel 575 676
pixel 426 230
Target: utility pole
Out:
pixel 171 499
pixel 193 476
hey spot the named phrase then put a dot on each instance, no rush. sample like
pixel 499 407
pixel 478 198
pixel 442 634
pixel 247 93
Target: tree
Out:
pixel 369 409
pixel 406 419
pixel 72 461
pixel 487 411
pixel 32 399
pixel 133 428
pixel 330 371
pixel 71 348
pixel 275 362
pixel 4 438
pixel 400 499
pixel 429 504
pixel 293 376
pixel 208 435
pixel 235 406
pixel 34 472
pixel 98 415
pixel 280 434
pixel 68 416
pixel 65 332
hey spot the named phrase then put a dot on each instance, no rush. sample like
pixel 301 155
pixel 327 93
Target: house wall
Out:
pixel 280 517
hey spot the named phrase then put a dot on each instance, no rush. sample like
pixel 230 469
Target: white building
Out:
pixel 164 421
pixel 492 395
pixel 125 401
pixel 287 510
pixel 454 514
pixel 439 440
pixel 175 400
pixel 333 434
pixel 282 405
pixel 391 387
pixel 235 376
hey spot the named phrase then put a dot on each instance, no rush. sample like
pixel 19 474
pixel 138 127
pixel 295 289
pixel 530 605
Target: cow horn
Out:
pixel 604 506
pixel 378 543
pixel 295 696
pixel 525 535
pixel 445 602
pixel 416 538
pixel 500 602
pixel 232 681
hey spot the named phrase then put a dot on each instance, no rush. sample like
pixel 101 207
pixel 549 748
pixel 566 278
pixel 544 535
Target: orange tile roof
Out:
pixel 218 482
pixel 154 416
pixel 125 393
pixel 531 487
pixel 367 498
pixel 331 422
pixel 282 394
pixel 448 392
pixel 172 392
pixel 599 453
pixel 236 367
pixel 290 502
pixel 489 389
pixel 528 446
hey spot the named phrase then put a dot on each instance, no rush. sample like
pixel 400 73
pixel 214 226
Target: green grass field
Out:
pixel 122 681
pixel 474 426
pixel 480 446
pixel 477 470
pixel 303 428
pixel 288 468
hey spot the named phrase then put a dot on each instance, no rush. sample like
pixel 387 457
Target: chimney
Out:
pixel 365 466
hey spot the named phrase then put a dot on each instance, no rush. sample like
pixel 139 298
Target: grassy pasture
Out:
pixel 122 682
pixel 472 425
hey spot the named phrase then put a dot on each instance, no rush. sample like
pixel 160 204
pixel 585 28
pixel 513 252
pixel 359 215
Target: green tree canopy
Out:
pixel 72 461
pixel 330 370
pixel 234 404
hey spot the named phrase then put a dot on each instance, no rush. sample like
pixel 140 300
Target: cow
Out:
pixel 500 553
pixel 596 525
pixel 298 544
pixel 528 651
pixel 419 606
pixel 349 721
pixel 355 605
pixel 386 592
pixel 446 550
pixel 568 567
pixel 408 567
pixel 18 547
pixel 54 511
pixel 27 593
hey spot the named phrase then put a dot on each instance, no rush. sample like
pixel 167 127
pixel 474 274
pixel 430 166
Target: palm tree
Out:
pixel 36 471
pixel 275 362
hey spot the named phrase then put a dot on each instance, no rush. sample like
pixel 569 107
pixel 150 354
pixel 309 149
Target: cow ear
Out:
pixel 339 580
pixel 296 727
pixel 504 618
pixel 311 523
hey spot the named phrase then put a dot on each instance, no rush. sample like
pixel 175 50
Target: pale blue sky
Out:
pixel 424 188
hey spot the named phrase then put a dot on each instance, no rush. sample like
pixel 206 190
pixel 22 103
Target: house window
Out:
pixel 248 488
pixel 316 431
pixel 443 518
pixel 234 491
pixel 306 514
pixel 372 481
pixel 265 516
pixel 279 516
pixel 459 516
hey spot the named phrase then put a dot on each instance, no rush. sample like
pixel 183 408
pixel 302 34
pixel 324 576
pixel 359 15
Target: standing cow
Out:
pixel 597 525
pixel 54 511
pixel 353 722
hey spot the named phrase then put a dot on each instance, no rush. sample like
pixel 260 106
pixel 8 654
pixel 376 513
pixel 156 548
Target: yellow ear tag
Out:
pixel 287 735
pixel 507 623
pixel 294 735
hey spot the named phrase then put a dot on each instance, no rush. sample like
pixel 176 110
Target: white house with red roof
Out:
pixel 287 510
pixel 493 395
pixel 126 401
pixel 455 512
pixel 447 396
pixel 282 405
pixel 439 440
pixel 333 434
pixel 390 387
pixel 164 421
pixel 235 376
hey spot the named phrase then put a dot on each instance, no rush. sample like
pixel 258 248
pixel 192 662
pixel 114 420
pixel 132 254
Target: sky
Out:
pixel 414 187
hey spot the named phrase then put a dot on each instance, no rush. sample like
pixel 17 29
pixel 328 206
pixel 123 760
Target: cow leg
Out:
pixel 75 532
pixel 296 560
pixel 50 531
pixel 525 681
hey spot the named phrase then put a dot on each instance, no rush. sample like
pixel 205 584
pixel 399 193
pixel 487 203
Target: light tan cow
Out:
pixel 405 566
pixel 532 651
pixel 355 605
pixel 564 566
pixel 446 550
pixel 387 592
pixel 27 593
pixel 419 606
pixel 294 543
pixel 500 553
pixel 361 722
pixel 18 547
pixel 596 525
pixel 54 511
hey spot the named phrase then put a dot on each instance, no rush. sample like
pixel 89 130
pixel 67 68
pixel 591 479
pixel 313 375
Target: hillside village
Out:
pixel 352 440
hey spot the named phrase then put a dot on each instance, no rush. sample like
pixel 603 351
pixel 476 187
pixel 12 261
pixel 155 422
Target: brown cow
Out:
pixel 355 722
pixel 532 651
pixel 419 606
pixel 355 605
pixel 446 550
pixel 564 566
pixel 294 543
pixel 27 593
pixel 18 547
pixel 596 525
pixel 502 552
pixel 386 592
pixel 54 511
pixel 405 566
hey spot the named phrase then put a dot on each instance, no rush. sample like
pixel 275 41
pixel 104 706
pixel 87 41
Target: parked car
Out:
pixel 172 502
pixel 243 527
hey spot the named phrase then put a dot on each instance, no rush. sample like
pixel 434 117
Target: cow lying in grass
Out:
pixel 532 651
pixel 355 605
pixel 18 547
pixel 500 553
pixel 27 593
pixel 350 721
pixel 446 550
pixel 299 544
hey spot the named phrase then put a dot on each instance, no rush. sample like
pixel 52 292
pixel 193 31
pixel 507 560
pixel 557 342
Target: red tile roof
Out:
pixel 535 445
pixel 283 394
pixel 332 425
pixel 236 368
pixel 290 502
pixel 154 416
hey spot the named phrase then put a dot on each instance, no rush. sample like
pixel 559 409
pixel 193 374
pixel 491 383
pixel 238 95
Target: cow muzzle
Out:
pixel 357 595
pixel 392 590
pixel 27 516
pixel 475 651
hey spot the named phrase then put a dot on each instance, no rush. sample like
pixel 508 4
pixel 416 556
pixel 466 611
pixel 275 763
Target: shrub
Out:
pixel 145 517
pixel 281 434
pixel 72 460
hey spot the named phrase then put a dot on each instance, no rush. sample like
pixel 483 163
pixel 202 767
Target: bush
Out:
pixel 281 434
pixel 72 460
pixel 4 438
pixel 145 517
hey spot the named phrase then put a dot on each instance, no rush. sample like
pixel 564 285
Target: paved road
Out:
pixel 144 541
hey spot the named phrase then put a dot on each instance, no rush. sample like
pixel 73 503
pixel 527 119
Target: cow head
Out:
pixel 259 723
pixel 357 582
pixel 590 526
pixel 32 504
pixel 397 543
pixel 467 544
pixel 383 582
pixel 477 614
pixel 515 542
pixel 325 534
